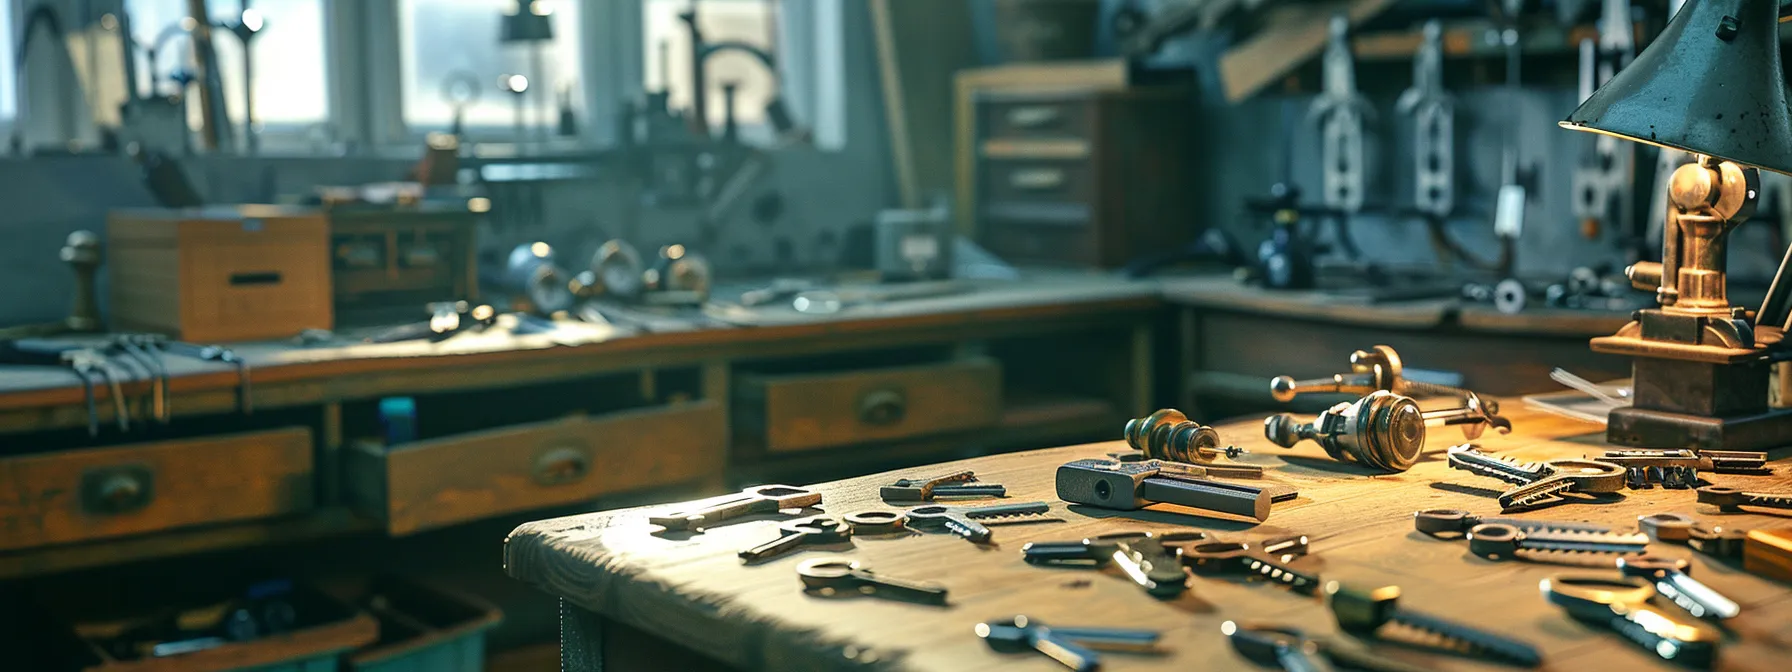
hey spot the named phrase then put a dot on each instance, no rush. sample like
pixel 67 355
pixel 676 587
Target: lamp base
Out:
pixel 1644 428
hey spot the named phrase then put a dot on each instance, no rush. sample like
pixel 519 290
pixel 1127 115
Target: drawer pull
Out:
pixel 115 490
pixel 562 465
pixel 1034 116
pixel 1037 179
pixel 255 278
pixel 882 407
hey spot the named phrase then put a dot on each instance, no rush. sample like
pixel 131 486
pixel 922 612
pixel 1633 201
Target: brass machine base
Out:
pixel 1693 392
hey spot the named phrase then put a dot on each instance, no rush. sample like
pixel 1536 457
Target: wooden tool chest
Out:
pixel 396 259
pixel 220 274
pixel 1069 173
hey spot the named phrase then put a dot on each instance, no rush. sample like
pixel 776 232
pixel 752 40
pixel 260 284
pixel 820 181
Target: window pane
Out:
pixel 8 95
pixel 288 68
pixel 668 56
pixel 446 40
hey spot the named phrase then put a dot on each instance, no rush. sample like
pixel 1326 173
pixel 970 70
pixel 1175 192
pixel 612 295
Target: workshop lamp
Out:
pixel 1711 84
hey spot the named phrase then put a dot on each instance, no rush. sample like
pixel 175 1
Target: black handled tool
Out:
pixel 1136 485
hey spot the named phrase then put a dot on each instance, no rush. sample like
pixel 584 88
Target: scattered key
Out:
pixel 1732 499
pixel 876 522
pixel 1365 612
pixel 799 533
pixel 1135 485
pixel 1146 558
pixel 1439 522
pixel 1497 541
pixel 958 484
pixel 1672 581
pixel 1539 481
pixel 1623 606
pixel 1292 650
pixel 965 521
pixel 841 576
pixel 1242 559
pixel 761 499
pixel 1073 647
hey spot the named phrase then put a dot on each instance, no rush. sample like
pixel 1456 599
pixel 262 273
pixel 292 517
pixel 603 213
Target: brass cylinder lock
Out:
pixel 883 407
pixel 1378 368
pixel 1382 430
pixel 1168 434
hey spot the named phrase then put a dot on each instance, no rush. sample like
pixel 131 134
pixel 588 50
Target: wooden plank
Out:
pixel 429 484
pixel 1286 43
pixel 921 44
pixel 692 589
pixel 181 483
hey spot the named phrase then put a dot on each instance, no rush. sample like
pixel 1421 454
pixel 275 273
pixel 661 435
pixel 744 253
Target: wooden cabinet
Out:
pixel 78 495
pixel 428 484
pixel 395 259
pixel 1079 170
pixel 220 274
pixel 812 411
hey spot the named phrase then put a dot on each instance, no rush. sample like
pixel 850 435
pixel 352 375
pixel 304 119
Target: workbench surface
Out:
pixel 693 590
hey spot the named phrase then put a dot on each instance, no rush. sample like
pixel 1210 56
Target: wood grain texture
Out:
pixel 429 484
pixel 237 276
pixel 1292 37
pixel 694 590
pixel 824 410
pixel 190 481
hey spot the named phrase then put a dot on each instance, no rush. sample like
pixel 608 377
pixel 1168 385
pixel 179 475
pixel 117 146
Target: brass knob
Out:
pixel 1168 434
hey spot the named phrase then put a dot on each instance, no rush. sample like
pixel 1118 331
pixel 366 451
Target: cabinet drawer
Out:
pixel 1018 118
pixel 1037 181
pixel 428 484
pixel 80 495
pixel 814 411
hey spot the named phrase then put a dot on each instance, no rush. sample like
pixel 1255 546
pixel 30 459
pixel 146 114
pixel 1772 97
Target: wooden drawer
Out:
pixel 814 411
pixel 79 495
pixel 1016 117
pixel 429 484
pixel 1037 181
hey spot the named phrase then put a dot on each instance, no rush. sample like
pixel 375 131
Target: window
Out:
pixel 449 46
pixel 287 68
pixel 667 44
pixel 9 95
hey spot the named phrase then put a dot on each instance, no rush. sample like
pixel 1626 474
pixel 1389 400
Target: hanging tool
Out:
pixel 90 364
pixel 1606 175
pixel 218 353
pixel 1433 111
pixel 1341 113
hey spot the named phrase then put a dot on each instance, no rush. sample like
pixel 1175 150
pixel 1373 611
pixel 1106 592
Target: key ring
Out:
pixel 1595 594
pixel 825 572
pixel 877 522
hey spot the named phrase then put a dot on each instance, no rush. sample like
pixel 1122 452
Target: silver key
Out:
pixel 842 576
pixel 963 521
pixel 798 533
pixel 1439 522
pixel 1672 582
pixel 1500 542
pixel 1073 647
pixel 1539 481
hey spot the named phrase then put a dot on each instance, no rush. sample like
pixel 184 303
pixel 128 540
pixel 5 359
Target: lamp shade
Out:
pixel 1710 84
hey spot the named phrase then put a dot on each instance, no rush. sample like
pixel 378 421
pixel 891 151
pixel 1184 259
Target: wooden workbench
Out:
pixel 631 588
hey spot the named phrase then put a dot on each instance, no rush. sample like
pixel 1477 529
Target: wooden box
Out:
pixel 220 274
pixel 1074 170
pixel 812 411
pixel 435 482
pixel 327 629
pixel 392 260
pixel 425 628
pixel 79 495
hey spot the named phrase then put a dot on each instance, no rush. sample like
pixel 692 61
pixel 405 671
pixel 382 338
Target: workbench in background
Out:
pixel 635 597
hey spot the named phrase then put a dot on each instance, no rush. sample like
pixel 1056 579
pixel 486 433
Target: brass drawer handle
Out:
pixel 562 465
pixel 1034 116
pixel 117 489
pixel 1037 179
pixel 883 407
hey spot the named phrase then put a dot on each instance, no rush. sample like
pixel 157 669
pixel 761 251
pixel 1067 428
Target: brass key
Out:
pixel 761 499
